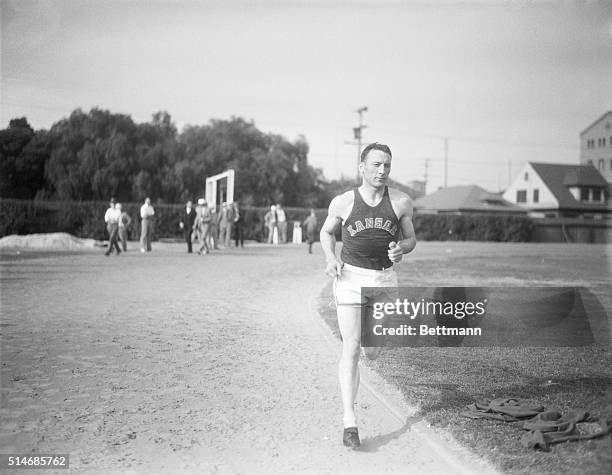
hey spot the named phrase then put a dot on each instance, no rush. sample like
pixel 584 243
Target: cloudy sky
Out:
pixel 503 82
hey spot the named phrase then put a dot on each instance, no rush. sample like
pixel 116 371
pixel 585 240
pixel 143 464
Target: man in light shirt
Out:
pixel 146 213
pixel 270 222
pixel 111 218
pixel 281 223
pixel 226 223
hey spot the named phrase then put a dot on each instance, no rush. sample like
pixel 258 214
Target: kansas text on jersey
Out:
pixel 367 232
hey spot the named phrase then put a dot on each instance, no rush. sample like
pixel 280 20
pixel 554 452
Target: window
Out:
pixel 596 194
pixel 536 195
pixel 521 196
pixel 590 162
pixel 584 194
pixel 526 176
pixel 601 164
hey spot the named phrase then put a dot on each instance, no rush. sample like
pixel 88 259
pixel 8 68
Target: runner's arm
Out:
pixel 408 242
pixel 328 239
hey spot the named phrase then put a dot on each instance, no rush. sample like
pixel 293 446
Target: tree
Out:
pixel 98 154
pixel 157 154
pixel 269 168
pixel 23 154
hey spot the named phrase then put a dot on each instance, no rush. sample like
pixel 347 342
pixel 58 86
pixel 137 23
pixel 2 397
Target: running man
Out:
pixel 373 217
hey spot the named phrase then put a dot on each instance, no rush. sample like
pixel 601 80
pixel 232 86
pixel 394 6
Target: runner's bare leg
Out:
pixel 349 323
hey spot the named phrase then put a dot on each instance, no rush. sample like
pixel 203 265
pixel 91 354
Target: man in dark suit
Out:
pixel 187 219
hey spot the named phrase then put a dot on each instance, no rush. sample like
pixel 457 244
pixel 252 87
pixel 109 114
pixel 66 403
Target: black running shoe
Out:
pixel 350 438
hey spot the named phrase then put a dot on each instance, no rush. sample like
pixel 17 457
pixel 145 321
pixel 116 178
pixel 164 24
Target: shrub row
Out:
pixel 86 220
pixel 473 227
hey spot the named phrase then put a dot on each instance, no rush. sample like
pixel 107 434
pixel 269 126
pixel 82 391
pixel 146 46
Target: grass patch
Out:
pixel 442 381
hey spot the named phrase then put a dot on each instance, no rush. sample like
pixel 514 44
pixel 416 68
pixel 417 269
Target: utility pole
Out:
pixel 445 162
pixel 426 176
pixel 509 171
pixel 357 132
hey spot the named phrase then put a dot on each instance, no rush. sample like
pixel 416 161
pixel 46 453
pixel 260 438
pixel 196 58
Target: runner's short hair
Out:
pixel 375 146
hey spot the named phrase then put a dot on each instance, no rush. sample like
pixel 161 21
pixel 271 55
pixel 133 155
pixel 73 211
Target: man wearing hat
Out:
pixel 124 224
pixel 111 218
pixel 202 225
pixel 188 218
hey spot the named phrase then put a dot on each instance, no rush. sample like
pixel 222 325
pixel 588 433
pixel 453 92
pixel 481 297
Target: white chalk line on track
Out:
pixel 452 457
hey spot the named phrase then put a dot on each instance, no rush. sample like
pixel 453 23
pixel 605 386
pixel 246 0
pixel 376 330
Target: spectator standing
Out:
pixel 310 225
pixel 270 222
pixel 202 225
pixel 188 218
pixel 226 223
pixel 213 234
pixel 111 218
pixel 281 223
pixel 124 224
pixel 146 230
pixel 238 228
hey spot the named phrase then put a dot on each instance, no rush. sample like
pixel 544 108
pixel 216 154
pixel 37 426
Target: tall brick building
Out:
pixel 596 145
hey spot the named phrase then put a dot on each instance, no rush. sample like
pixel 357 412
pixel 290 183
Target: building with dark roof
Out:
pixel 465 199
pixel 596 145
pixel 414 189
pixel 558 190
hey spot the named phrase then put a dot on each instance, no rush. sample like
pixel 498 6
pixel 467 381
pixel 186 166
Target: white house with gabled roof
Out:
pixel 558 190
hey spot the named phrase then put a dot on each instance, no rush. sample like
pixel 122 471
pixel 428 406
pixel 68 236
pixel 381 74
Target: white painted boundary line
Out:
pixel 453 456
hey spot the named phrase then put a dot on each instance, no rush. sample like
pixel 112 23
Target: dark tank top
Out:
pixel 367 232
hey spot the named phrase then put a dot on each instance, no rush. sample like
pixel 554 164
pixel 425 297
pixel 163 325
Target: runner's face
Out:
pixel 375 169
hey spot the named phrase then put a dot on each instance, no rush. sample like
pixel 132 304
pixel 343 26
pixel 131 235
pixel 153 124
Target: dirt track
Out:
pixel 169 362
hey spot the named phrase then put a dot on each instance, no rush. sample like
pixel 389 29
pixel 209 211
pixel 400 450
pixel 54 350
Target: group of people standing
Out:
pixel 211 227
pixel 117 224
pixel 275 221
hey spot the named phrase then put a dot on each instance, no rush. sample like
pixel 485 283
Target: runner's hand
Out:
pixel 333 268
pixel 395 252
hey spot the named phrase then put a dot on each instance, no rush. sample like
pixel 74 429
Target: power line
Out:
pixel 460 138
pixel 357 131
pixel 445 160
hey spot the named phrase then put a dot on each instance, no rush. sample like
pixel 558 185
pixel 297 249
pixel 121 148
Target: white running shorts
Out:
pixel 347 287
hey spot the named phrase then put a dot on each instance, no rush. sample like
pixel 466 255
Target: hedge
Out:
pixel 86 219
pixel 473 227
